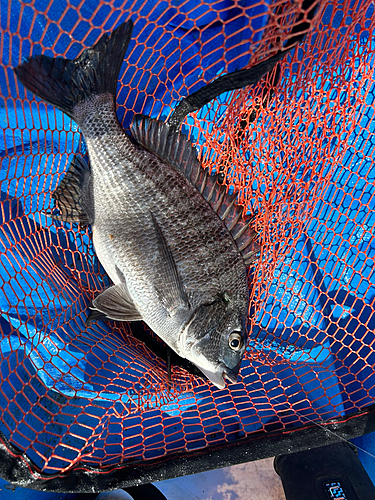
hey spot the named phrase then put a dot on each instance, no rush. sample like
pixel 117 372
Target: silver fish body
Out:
pixel 171 239
pixel 132 191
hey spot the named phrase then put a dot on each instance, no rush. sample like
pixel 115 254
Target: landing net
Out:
pixel 299 148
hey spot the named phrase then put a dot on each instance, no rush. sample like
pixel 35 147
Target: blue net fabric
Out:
pixel 97 396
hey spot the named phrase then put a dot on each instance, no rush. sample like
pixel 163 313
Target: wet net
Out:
pixel 299 148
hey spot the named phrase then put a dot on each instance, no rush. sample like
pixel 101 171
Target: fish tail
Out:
pixel 66 83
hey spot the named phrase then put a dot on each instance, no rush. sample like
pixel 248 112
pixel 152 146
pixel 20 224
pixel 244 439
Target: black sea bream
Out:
pixel 172 241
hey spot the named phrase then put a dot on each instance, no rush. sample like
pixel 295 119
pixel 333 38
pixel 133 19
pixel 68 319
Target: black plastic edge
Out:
pixel 18 469
pixel 145 491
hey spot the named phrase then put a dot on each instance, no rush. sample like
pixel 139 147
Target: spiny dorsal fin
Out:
pixel 174 148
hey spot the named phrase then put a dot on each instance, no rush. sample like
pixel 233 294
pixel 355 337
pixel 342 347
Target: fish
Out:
pixel 176 245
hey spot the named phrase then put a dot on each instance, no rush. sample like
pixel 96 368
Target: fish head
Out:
pixel 215 339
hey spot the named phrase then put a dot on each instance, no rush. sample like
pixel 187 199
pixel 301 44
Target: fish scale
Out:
pixel 200 245
pixel 193 238
pixel 166 232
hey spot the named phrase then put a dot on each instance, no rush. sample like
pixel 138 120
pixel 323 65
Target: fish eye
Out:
pixel 235 341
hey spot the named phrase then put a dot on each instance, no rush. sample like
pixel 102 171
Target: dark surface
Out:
pixel 333 471
pixel 160 349
pixel 145 491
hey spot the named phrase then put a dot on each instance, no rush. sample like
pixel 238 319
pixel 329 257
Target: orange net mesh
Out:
pixel 300 151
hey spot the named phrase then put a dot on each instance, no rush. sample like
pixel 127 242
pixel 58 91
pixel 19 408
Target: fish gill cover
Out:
pixel 300 151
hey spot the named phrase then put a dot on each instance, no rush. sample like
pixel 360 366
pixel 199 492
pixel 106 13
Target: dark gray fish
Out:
pixel 169 236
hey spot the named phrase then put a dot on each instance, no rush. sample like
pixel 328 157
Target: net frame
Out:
pixel 19 470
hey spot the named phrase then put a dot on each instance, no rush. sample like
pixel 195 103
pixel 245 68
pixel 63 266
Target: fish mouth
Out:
pixel 219 377
pixel 230 375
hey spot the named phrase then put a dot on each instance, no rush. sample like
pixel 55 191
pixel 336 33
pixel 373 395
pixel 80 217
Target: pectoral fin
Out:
pixel 114 303
pixel 168 283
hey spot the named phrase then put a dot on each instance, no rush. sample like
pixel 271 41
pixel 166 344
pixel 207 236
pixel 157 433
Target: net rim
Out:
pixel 19 470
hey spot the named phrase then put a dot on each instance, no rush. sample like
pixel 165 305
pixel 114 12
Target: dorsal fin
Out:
pixel 174 148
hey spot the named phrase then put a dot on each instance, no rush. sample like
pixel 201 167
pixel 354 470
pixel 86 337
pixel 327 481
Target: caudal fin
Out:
pixel 66 83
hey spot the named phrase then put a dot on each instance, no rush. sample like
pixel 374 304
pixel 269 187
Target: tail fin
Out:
pixel 66 83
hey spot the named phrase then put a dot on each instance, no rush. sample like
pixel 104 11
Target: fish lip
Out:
pixel 230 375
